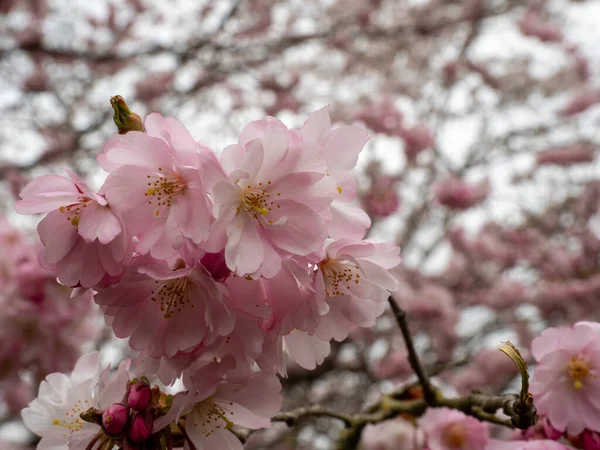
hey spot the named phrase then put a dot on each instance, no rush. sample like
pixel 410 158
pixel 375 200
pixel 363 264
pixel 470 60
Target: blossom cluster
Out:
pixel 42 323
pixel 213 266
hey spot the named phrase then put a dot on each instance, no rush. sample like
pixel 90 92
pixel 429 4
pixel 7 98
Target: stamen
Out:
pixel 164 188
pixel 173 295
pixel 338 275
pixel 578 370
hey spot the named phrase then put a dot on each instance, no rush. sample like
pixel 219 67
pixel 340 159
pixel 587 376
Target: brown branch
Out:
pixel 429 393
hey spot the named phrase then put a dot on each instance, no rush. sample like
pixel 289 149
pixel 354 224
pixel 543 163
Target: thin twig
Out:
pixel 413 357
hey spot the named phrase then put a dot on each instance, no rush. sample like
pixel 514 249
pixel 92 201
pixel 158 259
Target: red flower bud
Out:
pixel 591 440
pixel 115 418
pixel 141 427
pixel 550 431
pixel 140 396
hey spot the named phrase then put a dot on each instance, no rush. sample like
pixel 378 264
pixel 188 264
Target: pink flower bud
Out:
pixel 115 418
pixel 456 194
pixel 141 427
pixel 140 396
pixel 591 440
pixel 551 432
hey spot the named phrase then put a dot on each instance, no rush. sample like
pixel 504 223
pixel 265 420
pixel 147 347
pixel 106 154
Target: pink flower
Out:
pixel 392 435
pixel 532 24
pixel 416 140
pixel 352 283
pixel 565 382
pixel 159 181
pixel 495 444
pixel 165 309
pixel 580 102
pixel 448 429
pixel 269 209
pixel 340 148
pixel 382 200
pixel 211 409
pixel 382 117
pixel 457 194
pixel 580 152
pixel 84 239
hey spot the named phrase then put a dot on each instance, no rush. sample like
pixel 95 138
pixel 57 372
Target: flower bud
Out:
pixel 124 118
pixel 141 427
pixel 140 396
pixel 591 440
pixel 550 431
pixel 115 418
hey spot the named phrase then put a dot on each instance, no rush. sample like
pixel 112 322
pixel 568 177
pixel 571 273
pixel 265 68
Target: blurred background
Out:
pixel 482 165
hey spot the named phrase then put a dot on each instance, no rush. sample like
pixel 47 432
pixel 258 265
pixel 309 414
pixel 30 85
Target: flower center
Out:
pixel 212 417
pixel 73 212
pixel 72 422
pixel 578 370
pixel 455 435
pixel 257 203
pixel 339 276
pixel 164 189
pixel 173 295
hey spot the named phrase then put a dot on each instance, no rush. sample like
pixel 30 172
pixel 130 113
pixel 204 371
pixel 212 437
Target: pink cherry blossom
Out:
pixel 212 409
pixel 391 435
pixel 165 309
pixel 448 429
pixel 532 24
pixel 84 239
pixel 565 382
pixel 495 444
pixel 158 180
pixel 580 102
pixel 269 209
pixel 580 152
pixel 340 148
pixel 416 140
pixel 382 199
pixel 352 283
pixel 457 194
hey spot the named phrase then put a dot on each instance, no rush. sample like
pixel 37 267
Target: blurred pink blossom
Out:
pixel 382 117
pixel 392 435
pixel 416 140
pixel 382 199
pixel 449 429
pixel 532 24
pixel 580 152
pixel 457 194
pixel 580 102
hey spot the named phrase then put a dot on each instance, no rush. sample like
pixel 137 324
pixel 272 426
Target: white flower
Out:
pixel 55 414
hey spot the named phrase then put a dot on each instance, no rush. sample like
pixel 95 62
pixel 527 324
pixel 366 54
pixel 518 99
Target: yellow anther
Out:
pixel 150 191
pixel 339 188
pixel 75 221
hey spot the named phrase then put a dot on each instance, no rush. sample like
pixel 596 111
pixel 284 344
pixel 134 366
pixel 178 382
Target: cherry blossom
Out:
pixel 84 239
pixel 447 429
pixel 157 182
pixel 565 382
pixel 166 309
pixel 269 208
